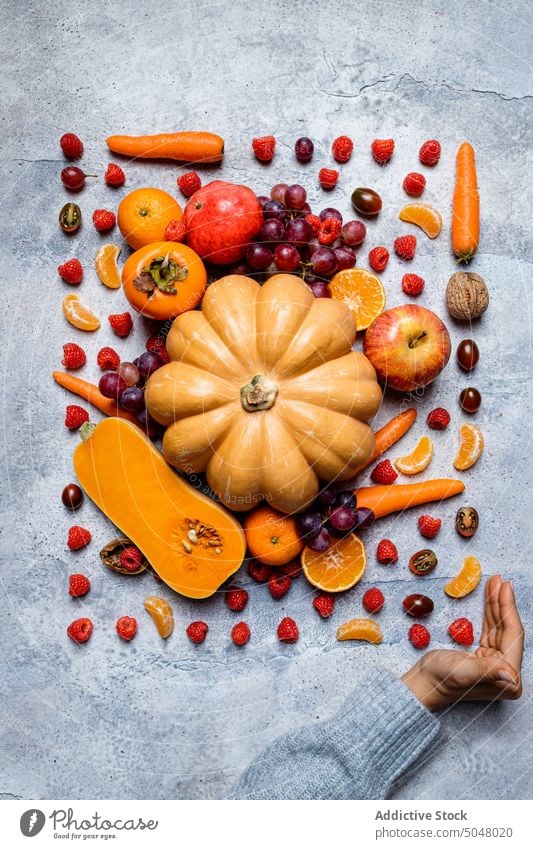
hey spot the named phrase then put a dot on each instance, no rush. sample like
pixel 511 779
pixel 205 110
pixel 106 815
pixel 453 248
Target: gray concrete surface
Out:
pixel 166 720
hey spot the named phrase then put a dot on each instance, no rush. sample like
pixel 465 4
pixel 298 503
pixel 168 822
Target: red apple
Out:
pixel 408 346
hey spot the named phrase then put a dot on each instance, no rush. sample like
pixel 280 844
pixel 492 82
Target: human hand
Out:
pixel 492 672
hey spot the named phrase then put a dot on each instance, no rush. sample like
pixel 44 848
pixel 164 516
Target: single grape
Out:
pixel 319 288
pixel 346 498
pixel 258 256
pixel 263 199
pixel 271 230
pixel 277 192
pixel 353 233
pixel 286 257
pixel 304 149
pixel 151 428
pixel 326 497
pixel 324 262
pixel 342 518
pixel 295 196
pixel 73 177
pixel 241 267
pixel 129 373
pixel 132 399
pixel 330 212
pixel 112 385
pixel 298 231
pixel 321 542
pixel 308 525
pixel 364 518
pixel 275 209
pixel 147 363
pixel 345 257
pixel 301 213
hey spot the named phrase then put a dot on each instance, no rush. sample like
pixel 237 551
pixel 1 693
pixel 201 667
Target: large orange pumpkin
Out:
pixel 264 393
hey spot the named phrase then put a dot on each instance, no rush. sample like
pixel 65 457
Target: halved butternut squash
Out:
pixel 193 543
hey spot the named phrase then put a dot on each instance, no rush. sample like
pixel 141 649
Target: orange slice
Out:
pixel 470 447
pixel 360 629
pixel 466 579
pixel 428 219
pixel 362 292
pixel 106 266
pixel 78 315
pixel 417 460
pixel 337 569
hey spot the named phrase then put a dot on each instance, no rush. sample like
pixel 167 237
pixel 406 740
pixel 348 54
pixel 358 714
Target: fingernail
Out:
pixel 506 676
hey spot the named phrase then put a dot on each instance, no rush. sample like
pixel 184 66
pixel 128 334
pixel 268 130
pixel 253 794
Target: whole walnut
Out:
pixel 467 296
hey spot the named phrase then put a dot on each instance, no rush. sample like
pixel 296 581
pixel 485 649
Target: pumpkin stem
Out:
pixel 259 394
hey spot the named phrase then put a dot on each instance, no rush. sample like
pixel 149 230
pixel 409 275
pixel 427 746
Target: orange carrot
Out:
pixel 391 433
pixel 465 210
pixel 383 500
pixel 92 394
pixel 185 147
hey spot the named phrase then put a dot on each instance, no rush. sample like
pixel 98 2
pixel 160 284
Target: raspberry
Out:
pixel 197 632
pixel 107 359
pixel 386 552
pixel 414 184
pixel 78 537
pixel 240 633
pixel 328 177
pixel 405 247
pixel 438 419
pixel 342 148
pixel 114 175
pixel 314 221
pixel 429 526
pixel 189 183
pixel 288 630
pixel 236 598
pixel 71 272
pixel 324 604
pixel 412 284
pixel 419 636
pixel 175 231
pixel 279 585
pixel 75 416
pixel 292 568
pixel 329 230
pixel 71 146
pixel 373 600
pixel 156 344
pixel 121 323
pixel 384 472
pixel 462 632
pixel 382 150
pixel 260 572
pixel 78 585
pixel 131 558
pixel 126 628
pixel 429 153
pixel 264 148
pixel 104 220
pixel 378 258
pixel 73 356
pixel 80 630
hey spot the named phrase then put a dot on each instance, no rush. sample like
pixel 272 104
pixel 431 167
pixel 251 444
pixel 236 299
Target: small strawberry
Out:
pixel 78 537
pixel 156 344
pixel 405 247
pixel 429 526
pixel 114 175
pixel 288 630
pixel 373 600
pixel 75 416
pixel 324 604
pixel 80 630
pixel 462 632
pixel 429 153
pixel 438 419
pixel 189 183
pixel 121 323
pixel 412 284
pixel 108 359
pixel 126 628
pixel 260 572
pixel 71 146
pixel 414 184
pixel 175 231
pixel 240 633
pixel 236 598
pixel 279 585
pixel 386 552
pixel 197 631
pixel 78 585
pixel 384 473
pixel 73 356
pixel 131 558
pixel 104 220
pixel 378 258
pixel 419 636
pixel 71 271
pixel 264 147
pixel 329 230
pixel 328 178
pixel 314 221
pixel 342 148
pixel 382 150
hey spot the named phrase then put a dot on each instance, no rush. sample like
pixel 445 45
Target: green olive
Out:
pixel 70 218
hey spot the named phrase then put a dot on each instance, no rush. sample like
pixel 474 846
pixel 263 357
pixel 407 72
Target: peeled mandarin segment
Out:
pixel 470 447
pixel 362 292
pixel 428 219
pixel 78 315
pixel 338 568
pixel 360 629
pixel 466 580
pixel 417 460
pixel 105 263
pixel 161 612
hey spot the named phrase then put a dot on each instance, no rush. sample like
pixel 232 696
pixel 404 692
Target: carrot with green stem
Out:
pixel 199 147
pixel 465 208
pixel 391 498
pixel 89 392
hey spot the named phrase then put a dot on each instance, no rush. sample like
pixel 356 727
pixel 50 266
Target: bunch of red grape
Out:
pixel 333 514
pixel 126 387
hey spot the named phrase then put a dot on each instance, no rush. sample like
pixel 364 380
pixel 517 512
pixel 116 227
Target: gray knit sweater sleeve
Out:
pixel 381 731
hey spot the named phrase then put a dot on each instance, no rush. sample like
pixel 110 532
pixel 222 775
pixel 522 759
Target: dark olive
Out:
pixel 72 496
pixel 468 354
pixel 470 400
pixel 70 218
pixel 466 521
pixel 366 201
pixel 418 605
pixel 423 561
